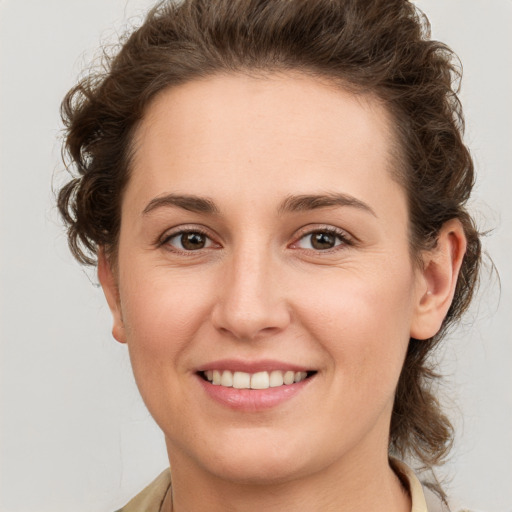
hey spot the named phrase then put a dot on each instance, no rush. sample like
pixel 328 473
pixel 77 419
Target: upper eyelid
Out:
pixel 308 230
pixel 177 230
pixel 170 234
pixel 345 239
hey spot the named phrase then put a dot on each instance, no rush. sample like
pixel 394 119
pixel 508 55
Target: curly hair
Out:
pixel 380 47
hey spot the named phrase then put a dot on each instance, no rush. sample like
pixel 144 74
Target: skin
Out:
pixel 259 289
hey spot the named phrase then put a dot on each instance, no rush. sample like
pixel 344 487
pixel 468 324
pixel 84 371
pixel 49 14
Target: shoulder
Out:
pixel 151 497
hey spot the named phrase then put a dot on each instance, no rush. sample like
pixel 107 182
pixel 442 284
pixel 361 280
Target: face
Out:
pixel 264 283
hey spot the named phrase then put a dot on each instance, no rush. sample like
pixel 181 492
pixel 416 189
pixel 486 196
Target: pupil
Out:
pixel 323 241
pixel 192 241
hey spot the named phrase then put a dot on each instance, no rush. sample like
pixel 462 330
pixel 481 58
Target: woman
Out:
pixel 273 194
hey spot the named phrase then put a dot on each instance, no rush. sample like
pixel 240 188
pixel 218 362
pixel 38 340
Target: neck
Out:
pixel 355 485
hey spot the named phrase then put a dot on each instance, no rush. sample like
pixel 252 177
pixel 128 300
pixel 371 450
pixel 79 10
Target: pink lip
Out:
pixel 237 365
pixel 251 400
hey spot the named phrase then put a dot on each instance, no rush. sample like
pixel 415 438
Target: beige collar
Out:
pixel 150 498
pixel 415 488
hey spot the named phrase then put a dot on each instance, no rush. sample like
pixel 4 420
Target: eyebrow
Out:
pixel 191 203
pixel 306 202
pixel 291 204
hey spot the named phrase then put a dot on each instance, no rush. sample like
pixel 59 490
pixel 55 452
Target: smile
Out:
pixel 253 386
pixel 258 380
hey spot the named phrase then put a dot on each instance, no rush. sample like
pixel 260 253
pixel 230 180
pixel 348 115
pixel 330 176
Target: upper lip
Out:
pixel 237 365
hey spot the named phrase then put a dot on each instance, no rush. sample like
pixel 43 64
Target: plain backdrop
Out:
pixel 74 433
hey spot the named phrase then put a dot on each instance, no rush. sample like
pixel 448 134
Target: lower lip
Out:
pixel 252 400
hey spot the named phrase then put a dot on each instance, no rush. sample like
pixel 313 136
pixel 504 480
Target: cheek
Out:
pixel 162 313
pixel 363 322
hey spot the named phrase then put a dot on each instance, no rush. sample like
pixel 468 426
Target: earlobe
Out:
pixel 437 280
pixel 110 287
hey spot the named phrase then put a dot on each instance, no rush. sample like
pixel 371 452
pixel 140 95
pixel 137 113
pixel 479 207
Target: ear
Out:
pixel 437 280
pixel 108 281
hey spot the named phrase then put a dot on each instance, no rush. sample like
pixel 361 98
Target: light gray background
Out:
pixel 74 434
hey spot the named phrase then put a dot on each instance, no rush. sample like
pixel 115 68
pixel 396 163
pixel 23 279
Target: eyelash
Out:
pixel 196 230
pixel 341 236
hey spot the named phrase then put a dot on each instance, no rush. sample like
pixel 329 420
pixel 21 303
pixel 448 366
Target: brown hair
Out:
pixel 377 46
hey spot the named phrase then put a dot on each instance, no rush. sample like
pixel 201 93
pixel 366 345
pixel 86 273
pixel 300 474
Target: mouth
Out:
pixel 254 386
pixel 256 381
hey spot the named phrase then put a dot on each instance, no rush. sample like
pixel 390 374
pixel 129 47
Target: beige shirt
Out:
pixel 152 497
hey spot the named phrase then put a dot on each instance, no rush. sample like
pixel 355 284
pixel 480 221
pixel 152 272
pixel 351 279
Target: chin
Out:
pixel 250 457
pixel 258 469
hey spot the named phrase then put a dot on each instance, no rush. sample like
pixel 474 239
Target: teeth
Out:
pixel 241 380
pixel 276 379
pixel 300 376
pixel 226 379
pixel 289 377
pixel 259 380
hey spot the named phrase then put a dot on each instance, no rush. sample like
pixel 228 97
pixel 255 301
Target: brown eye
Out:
pixel 322 240
pixel 193 241
pixel 189 241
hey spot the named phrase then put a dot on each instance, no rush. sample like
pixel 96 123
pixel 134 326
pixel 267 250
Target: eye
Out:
pixel 322 240
pixel 189 241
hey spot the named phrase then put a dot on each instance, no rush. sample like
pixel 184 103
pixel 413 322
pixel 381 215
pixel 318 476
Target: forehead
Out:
pixel 291 131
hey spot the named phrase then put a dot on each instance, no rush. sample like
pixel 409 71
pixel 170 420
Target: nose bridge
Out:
pixel 251 301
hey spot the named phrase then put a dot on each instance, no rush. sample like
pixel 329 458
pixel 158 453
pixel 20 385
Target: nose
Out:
pixel 251 304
